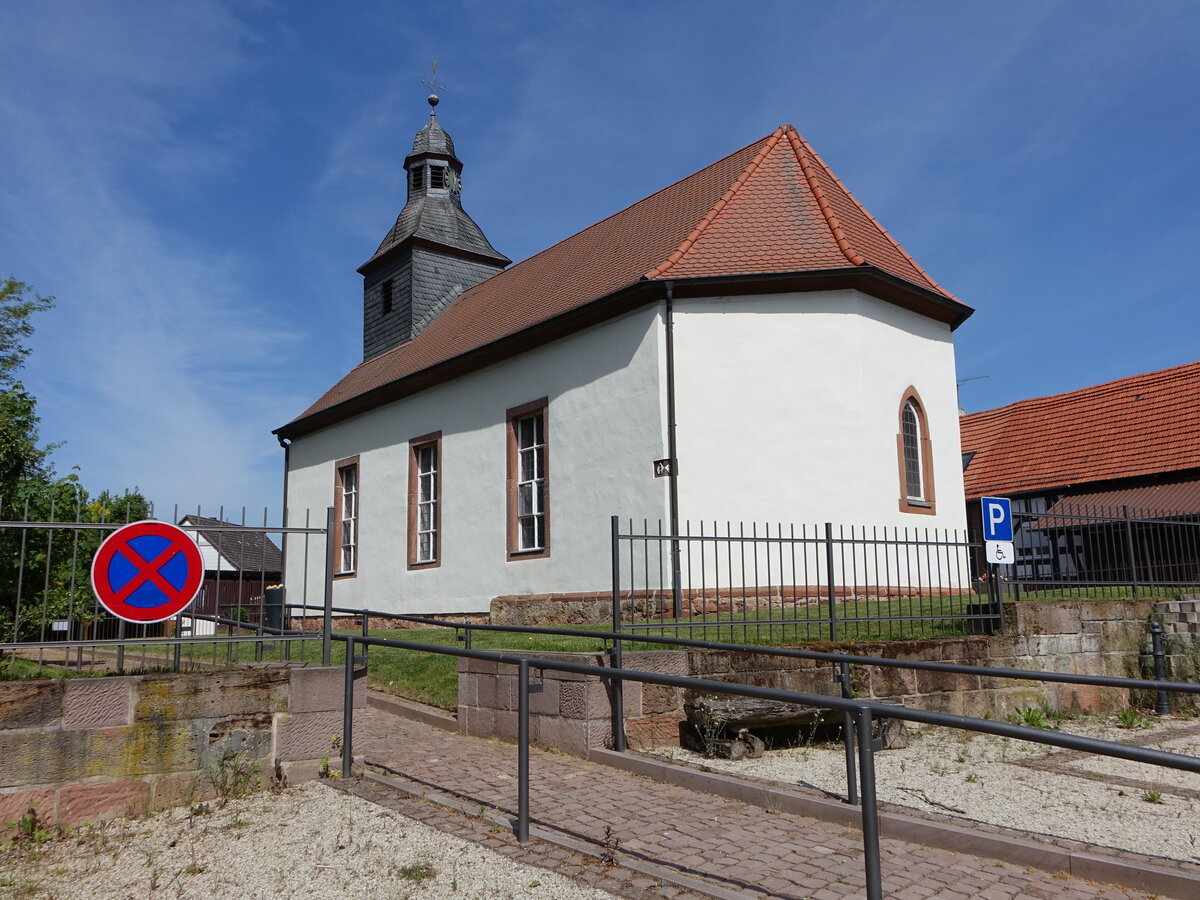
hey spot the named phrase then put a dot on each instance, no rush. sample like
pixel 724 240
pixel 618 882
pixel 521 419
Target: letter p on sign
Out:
pixel 997 519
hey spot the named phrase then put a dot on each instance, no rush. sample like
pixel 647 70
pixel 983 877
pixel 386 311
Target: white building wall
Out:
pixel 604 431
pixel 788 409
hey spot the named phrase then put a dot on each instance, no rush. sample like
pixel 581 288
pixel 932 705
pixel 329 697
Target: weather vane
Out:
pixel 432 81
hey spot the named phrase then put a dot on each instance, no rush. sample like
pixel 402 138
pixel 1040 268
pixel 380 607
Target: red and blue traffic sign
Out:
pixel 147 571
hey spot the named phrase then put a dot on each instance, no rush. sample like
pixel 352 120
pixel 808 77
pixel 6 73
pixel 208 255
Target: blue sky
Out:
pixel 197 185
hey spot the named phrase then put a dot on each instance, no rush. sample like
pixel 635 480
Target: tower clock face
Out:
pixel 452 181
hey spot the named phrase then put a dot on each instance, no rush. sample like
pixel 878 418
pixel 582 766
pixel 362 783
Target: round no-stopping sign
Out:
pixel 147 572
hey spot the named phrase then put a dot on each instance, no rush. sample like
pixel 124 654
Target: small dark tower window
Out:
pixel 387 296
pixel 437 177
pixel 417 177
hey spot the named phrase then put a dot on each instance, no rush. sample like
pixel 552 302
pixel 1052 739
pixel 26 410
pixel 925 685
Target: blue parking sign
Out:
pixel 997 519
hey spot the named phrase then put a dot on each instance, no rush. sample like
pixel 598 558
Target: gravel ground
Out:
pixel 309 842
pixel 1031 787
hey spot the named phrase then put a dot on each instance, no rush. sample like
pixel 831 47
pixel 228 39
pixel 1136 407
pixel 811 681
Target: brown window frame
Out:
pixel 926 505
pixel 433 439
pixel 340 466
pixel 513 417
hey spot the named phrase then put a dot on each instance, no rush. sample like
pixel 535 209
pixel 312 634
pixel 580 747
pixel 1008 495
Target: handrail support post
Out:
pixel 523 751
pixel 348 712
pixel 1162 704
pixel 870 811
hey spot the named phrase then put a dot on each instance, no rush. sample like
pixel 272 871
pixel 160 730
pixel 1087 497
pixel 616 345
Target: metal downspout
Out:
pixel 283 538
pixel 672 450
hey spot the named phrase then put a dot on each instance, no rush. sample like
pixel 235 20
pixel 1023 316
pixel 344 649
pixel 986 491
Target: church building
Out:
pixel 746 344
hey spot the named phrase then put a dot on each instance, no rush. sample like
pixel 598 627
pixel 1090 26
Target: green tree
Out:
pixel 43 572
pixel 22 458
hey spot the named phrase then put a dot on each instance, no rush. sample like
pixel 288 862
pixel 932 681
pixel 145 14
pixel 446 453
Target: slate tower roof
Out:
pixel 432 253
pixel 768 217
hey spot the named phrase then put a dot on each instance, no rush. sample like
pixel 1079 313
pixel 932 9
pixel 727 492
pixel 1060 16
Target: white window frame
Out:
pixel 428 502
pixel 531 482
pixel 348 487
pixel 913 464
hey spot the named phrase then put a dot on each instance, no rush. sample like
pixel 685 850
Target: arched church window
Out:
pixel 915 456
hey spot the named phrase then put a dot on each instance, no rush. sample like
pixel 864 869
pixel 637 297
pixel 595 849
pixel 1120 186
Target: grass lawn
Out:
pixel 431 678
pixel 1086 593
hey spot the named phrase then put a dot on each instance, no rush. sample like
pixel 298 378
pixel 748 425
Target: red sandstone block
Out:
pixel 480 722
pixel 545 701
pixel 14 804
pixel 505 726
pixel 572 700
pixel 468 688
pixel 323 690
pixel 566 735
pixel 30 704
pixel 237 692
pixel 599 735
pixel 307 770
pixel 100 802
pixel 667 662
pixel 631 696
pixel 98 703
pixel 306 735
pixel 653 731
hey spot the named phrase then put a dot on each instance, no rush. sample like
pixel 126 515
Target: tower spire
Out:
pixel 434 251
pixel 434 86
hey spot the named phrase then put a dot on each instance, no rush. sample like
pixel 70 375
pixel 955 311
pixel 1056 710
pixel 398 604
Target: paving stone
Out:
pixel 732 847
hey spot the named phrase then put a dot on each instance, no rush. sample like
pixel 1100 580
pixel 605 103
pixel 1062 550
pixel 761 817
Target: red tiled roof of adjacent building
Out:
pixel 1142 425
pixel 771 207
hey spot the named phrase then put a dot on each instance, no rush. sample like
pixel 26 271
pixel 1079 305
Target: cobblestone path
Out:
pixel 720 847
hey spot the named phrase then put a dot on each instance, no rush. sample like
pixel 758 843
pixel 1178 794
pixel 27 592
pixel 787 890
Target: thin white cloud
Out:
pixel 158 367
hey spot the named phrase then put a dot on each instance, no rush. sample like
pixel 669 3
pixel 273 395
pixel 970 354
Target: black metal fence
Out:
pixel 773 583
pixel 46 594
pixel 1087 551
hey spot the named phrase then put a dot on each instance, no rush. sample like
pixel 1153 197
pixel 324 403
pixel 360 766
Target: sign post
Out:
pixel 147 572
pixel 998 544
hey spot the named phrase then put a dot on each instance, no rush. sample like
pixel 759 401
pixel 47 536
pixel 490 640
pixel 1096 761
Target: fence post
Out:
pixel 177 652
pixel 523 751
pixel 870 813
pixel 348 711
pixel 618 686
pixel 832 593
pixel 1133 576
pixel 995 600
pixel 366 628
pixel 330 559
pixel 1162 703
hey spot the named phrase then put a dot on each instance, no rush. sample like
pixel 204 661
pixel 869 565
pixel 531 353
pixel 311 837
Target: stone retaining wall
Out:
pixel 85 749
pixel 596 606
pixel 573 712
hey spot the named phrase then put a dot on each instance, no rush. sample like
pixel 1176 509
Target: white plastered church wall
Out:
pixel 604 431
pixel 788 409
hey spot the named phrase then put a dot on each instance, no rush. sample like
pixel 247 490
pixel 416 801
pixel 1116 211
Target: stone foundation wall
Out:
pixel 573 712
pixel 85 749
pixel 596 607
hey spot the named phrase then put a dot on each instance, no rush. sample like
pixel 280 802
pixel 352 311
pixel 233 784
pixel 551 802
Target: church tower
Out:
pixel 432 254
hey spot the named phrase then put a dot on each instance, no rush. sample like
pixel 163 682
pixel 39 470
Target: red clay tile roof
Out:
pixel 771 207
pixel 1141 425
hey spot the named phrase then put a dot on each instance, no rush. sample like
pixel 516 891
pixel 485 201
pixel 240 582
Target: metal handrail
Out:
pixel 1138 684
pixel 863 713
